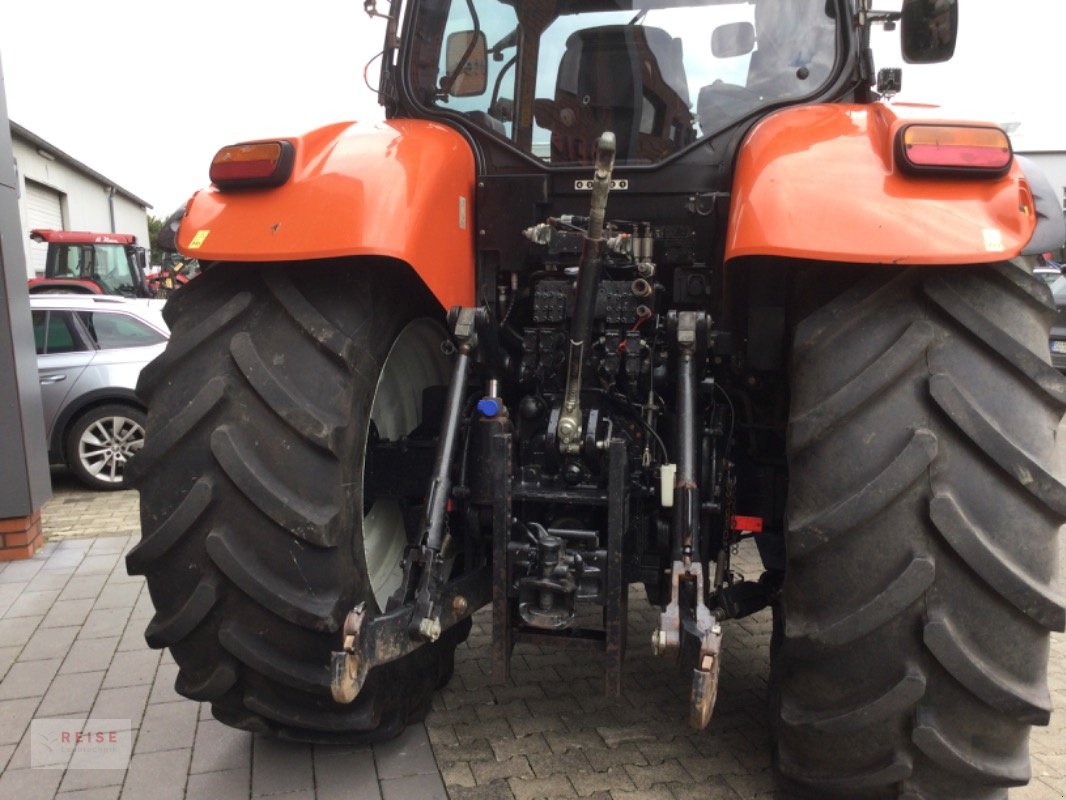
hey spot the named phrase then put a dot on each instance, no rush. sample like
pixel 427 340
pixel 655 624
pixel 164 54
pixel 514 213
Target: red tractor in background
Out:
pixel 82 262
pixel 617 285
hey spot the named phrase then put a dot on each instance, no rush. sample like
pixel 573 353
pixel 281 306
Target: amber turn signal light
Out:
pixel 971 150
pixel 252 165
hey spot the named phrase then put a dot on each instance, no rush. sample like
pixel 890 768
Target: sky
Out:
pixel 146 92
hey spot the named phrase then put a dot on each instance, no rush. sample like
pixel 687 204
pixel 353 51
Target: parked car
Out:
pixel 1058 327
pixel 90 350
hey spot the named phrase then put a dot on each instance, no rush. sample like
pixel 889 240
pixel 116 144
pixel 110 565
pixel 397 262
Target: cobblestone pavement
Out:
pixel 71 646
pixel 76 511
pixel 554 734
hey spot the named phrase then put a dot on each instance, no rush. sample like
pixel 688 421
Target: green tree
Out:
pixel 154 226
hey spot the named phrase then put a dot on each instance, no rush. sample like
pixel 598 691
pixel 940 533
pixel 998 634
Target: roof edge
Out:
pixel 37 141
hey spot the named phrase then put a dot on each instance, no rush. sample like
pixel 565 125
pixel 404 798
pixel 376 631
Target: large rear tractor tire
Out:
pixel 924 508
pixel 255 544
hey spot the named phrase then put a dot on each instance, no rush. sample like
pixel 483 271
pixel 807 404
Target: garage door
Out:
pixel 44 209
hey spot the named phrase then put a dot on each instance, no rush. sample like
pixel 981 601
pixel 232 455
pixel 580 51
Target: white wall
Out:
pixel 131 218
pixel 85 200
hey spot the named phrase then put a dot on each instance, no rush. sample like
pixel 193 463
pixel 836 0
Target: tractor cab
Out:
pixel 680 84
pixel 548 77
pixel 82 262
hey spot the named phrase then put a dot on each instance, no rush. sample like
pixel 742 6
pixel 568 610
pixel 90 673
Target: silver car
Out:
pixel 90 350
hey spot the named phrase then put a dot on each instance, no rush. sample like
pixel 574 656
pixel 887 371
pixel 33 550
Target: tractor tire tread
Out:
pixel 900 697
pixel 247 498
pixel 955 637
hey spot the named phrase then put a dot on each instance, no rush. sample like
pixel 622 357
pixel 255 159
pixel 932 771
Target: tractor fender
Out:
pixel 401 189
pixel 821 182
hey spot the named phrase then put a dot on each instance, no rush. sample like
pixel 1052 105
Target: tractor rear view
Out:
pixel 614 287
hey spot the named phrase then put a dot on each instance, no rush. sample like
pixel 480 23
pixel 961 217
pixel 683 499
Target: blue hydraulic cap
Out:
pixel 488 406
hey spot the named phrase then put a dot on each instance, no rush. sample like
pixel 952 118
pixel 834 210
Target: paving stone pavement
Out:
pixel 71 646
pixel 76 511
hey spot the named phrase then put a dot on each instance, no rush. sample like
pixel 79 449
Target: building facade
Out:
pixel 57 191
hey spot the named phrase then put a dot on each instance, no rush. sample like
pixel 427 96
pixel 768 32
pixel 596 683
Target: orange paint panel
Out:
pixel 820 182
pixel 401 189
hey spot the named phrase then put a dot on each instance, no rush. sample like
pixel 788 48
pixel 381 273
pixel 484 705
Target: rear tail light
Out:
pixel 970 150
pixel 252 164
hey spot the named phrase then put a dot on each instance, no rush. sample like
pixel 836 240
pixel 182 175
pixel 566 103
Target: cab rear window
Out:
pixel 551 77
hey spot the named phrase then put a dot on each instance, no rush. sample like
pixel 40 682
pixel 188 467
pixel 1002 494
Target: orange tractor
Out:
pixel 616 286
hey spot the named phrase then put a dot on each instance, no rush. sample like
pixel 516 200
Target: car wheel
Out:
pixel 101 443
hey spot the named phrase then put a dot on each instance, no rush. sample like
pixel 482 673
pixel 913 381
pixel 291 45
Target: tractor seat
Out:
pixel 627 79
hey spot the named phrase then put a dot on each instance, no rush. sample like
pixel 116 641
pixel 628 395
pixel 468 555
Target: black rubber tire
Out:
pixel 924 508
pixel 81 424
pixel 251 495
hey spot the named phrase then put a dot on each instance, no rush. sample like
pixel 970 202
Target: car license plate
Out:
pixel 1058 346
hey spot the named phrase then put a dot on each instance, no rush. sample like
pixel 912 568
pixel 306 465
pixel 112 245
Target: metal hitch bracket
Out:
pixel 689 632
pixel 371 642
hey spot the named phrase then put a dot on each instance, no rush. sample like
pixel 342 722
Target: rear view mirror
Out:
pixel 466 63
pixel 929 29
pixel 734 39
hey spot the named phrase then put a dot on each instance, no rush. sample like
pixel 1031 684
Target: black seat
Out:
pixel 623 78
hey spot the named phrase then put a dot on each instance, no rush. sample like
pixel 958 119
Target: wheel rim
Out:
pixel 414 363
pixel 107 445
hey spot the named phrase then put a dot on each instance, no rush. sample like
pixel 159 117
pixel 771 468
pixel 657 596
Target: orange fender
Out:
pixel 401 189
pixel 820 182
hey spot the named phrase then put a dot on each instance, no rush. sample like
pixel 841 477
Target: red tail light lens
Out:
pixel 252 164
pixel 954 149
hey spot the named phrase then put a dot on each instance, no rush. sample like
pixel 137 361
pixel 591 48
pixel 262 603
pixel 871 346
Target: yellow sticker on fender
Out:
pixel 993 240
pixel 198 239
